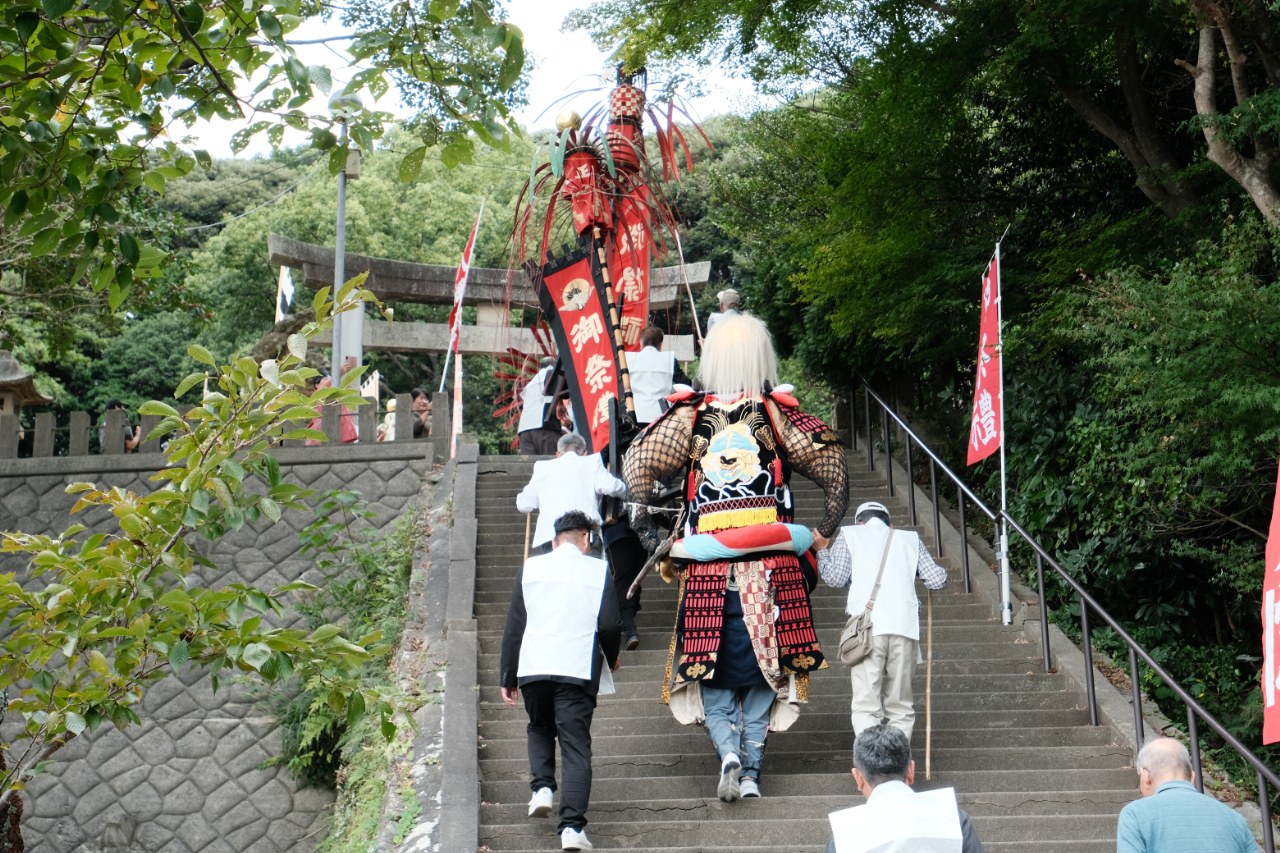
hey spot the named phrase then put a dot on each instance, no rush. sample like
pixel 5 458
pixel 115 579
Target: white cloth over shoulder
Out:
pixel 534 406
pixel 562 593
pixel 567 482
pixel 897 819
pixel 651 372
pixel 897 609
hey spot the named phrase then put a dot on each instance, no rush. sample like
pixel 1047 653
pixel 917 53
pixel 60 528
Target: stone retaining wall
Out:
pixel 187 779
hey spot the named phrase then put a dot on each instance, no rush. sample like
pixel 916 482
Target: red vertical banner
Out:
pixel 987 430
pixel 1271 627
pixel 630 269
pixel 572 296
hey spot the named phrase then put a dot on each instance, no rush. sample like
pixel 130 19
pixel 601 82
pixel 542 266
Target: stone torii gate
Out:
pixel 400 281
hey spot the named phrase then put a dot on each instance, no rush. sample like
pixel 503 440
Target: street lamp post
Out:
pixel 348 328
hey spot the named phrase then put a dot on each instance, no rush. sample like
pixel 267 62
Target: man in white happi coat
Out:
pixel 654 374
pixel 536 437
pixel 852 558
pixel 573 480
pixel 561 642
pixel 896 819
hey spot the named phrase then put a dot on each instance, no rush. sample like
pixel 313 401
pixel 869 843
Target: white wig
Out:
pixel 738 357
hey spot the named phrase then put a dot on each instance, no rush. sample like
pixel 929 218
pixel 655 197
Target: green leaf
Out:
pixel 411 165
pixel 298 346
pixel 269 508
pixel 257 654
pixel 388 728
pixel 273 471
pixel 154 181
pixel 193 15
pixel 179 654
pixel 98 663
pixel 155 407
pixel 74 722
pixel 45 242
pixel 270 25
pixel 355 709
pixel 200 354
pixel 178 600
pixel 324 632
pixel 203 158
pixel 456 153
pixel 513 64
pixel 129 247
pixel 187 384
pixel 320 77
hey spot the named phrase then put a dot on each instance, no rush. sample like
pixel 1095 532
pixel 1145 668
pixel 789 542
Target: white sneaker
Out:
pixel 574 839
pixel 748 787
pixel 728 789
pixel 540 805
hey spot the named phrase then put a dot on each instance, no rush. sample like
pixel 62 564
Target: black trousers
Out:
pixel 539 442
pixel 561 711
pixel 627 557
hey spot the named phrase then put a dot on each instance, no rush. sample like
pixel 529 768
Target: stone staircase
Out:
pixel 1014 742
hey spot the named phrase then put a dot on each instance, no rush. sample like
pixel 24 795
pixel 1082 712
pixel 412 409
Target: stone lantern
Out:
pixel 17 389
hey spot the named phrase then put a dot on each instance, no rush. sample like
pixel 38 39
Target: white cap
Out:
pixel 871 506
pixel 729 298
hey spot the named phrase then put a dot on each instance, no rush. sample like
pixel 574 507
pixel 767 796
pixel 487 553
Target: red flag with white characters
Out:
pixel 630 269
pixel 572 295
pixel 460 285
pixel 1271 627
pixel 987 430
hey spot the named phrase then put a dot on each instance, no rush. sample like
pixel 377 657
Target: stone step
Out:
pixel 784 807
pixel 639 682
pixel 796 833
pixel 654 660
pixel 944 635
pixel 613 719
pixel 694 739
pixel 993 847
pixel 1005 780
pixel 705 763
pixel 984 708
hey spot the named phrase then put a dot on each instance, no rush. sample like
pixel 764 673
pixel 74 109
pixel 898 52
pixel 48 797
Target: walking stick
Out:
pixel 529 519
pixel 928 698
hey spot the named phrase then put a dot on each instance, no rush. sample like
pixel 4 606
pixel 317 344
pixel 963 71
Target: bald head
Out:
pixel 1163 760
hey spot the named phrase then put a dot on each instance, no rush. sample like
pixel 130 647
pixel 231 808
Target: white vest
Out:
pixel 562 592
pixel 532 411
pixel 651 373
pixel 897 609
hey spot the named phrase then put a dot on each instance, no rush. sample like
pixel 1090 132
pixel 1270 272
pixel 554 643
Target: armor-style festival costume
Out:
pixel 735 458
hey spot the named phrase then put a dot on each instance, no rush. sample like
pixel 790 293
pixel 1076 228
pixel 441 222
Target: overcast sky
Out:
pixel 565 62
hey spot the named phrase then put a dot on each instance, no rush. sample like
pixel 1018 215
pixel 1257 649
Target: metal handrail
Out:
pixel 1194 709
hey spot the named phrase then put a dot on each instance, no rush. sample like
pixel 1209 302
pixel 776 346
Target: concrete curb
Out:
pixel 460 799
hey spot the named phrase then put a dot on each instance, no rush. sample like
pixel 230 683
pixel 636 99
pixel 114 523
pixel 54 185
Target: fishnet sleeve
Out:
pixel 658 454
pixel 814 451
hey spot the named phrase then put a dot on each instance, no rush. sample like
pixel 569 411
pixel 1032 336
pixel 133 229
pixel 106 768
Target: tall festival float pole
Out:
pixel 987 433
pixel 601 190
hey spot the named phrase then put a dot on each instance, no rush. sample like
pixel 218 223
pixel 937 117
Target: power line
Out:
pixel 259 207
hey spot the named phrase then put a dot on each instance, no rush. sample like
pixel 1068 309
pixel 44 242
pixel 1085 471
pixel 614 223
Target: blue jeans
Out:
pixel 738 720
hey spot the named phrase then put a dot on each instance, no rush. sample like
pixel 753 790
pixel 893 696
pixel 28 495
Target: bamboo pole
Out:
pixel 528 522
pixel 928 698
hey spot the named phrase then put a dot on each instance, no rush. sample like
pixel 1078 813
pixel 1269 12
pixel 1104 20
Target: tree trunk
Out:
pixel 1251 173
pixel 1128 144
pixel 1151 143
pixel 10 821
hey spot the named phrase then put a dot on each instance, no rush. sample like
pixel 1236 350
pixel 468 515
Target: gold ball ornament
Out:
pixel 568 119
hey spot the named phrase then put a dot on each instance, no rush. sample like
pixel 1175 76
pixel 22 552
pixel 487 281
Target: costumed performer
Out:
pixel 744 642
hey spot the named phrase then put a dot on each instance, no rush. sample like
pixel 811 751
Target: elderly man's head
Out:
pixel 571 442
pixel 729 300
pixel 574 528
pixel 882 754
pixel 1163 760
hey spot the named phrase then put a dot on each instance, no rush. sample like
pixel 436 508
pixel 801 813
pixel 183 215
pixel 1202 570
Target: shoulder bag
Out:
pixel 855 639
